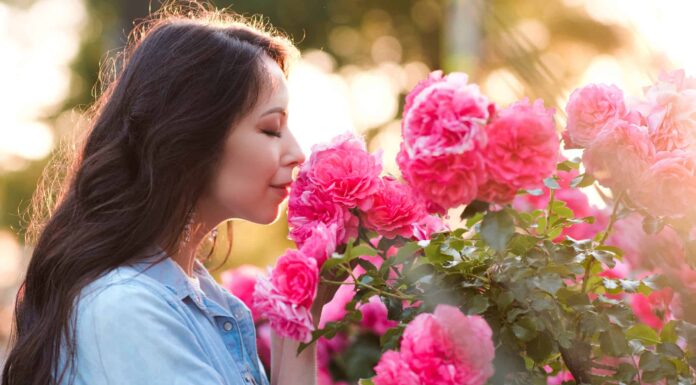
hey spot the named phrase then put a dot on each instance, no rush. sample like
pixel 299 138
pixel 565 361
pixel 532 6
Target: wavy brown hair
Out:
pixel 187 75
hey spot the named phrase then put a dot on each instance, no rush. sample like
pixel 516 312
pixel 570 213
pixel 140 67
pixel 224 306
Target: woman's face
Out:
pixel 258 160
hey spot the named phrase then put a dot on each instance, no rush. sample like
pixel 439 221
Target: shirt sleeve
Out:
pixel 128 334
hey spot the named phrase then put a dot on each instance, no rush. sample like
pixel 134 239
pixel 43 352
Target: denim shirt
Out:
pixel 151 326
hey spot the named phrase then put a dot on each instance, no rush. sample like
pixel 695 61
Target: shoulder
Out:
pixel 124 290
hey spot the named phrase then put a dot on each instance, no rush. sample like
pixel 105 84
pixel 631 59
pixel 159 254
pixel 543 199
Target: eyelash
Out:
pixel 272 133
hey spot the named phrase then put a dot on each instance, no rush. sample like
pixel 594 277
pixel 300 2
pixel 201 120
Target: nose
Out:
pixel 294 156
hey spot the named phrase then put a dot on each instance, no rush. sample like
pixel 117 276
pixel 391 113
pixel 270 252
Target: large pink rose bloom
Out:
pixel 344 170
pixel 589 109
pixel 286 318
pixel 670 111
pixel 448 347
pixel 296 277
pixel 446 116
pixel 444 181
pixel 309 206
pixel 619 155
pixel 394 209
pixel 522 150
pixel 668 187
pixel 393 370
pixel 240 282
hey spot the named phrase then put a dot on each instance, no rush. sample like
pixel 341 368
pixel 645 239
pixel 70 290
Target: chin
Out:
pixel 265 218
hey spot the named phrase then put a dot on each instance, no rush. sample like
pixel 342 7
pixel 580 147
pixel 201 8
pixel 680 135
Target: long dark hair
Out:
pixel 187 75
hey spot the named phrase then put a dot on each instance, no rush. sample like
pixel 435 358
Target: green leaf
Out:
pixel 582 180
pixel 568 165
pixel 670 349
pixel 390 339
pixel 406 252
pixel 551 183
pixel 644 333
pixel 649 361
pixel 540 347
pixel 669 332
pixel 365 381
pixel 613 342
pixel 497 228
pixel 362 250
pixel 474 208
pixel 477 305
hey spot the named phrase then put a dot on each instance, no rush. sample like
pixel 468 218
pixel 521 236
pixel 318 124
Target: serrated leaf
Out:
pixel 497 229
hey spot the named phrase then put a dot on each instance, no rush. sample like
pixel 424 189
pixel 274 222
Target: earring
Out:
pixel 188 226
pixel 213 234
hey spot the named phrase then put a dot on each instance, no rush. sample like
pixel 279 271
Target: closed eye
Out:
pixel 276 134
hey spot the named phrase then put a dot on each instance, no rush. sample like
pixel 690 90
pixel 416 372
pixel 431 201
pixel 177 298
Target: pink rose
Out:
pixel 619 155
pixel 446 116
pixel 321 244
pixel 240 282
pixel 335 310
pixel 647 252
pixel 286 318
pixel 522 150
pixel 296 277
pixel 448 347
pixel 393 370
pixel 344 170
pixel 667 188
pixel 427 226
pixel 394 209
pixel 433 77
pixel 309 206
pixel 444 181
pixel 589 109
pixel 654 309
pixel 374 316
pixel 670 111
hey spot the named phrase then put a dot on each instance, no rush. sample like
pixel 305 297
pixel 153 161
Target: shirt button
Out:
pixel 227 326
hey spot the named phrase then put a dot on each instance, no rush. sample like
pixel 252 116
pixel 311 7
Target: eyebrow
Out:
pixel 279 110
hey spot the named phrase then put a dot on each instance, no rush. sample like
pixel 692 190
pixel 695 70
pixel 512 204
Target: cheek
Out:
pixel 244 176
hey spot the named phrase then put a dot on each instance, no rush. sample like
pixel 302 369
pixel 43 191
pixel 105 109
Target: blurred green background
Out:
pixel 360 57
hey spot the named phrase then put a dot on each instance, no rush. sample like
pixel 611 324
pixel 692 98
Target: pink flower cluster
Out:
pixel 647 149
pixel 443 348
pixel 457 147
pixel 340 187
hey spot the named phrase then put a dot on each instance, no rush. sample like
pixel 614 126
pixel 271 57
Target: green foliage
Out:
pixel 541 292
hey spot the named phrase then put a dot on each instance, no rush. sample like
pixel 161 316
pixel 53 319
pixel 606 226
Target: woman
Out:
pixel 192 132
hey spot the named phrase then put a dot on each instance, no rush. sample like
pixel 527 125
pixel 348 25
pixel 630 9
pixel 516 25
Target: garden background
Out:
pixel 359 59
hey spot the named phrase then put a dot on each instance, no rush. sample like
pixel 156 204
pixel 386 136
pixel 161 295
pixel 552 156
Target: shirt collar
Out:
pixel 168 273
pixel 160 267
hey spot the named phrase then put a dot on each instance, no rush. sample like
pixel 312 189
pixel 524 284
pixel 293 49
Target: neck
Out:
pixel 186 255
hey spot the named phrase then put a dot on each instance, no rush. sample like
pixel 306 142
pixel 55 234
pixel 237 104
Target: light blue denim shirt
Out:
pixel 152 326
